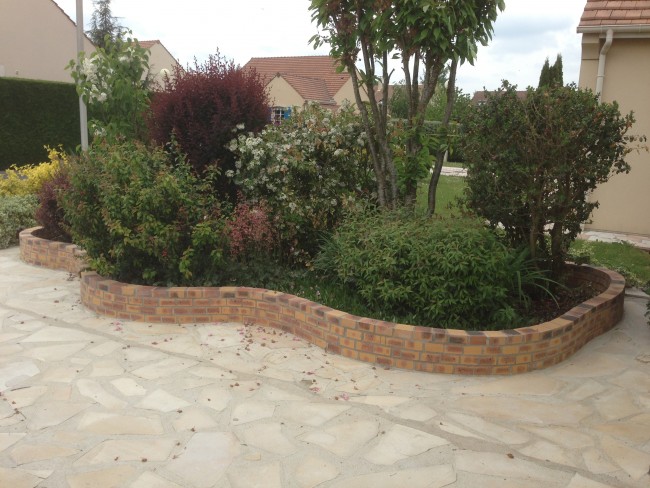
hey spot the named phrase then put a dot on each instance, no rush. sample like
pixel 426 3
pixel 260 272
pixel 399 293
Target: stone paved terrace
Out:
pixel 93 402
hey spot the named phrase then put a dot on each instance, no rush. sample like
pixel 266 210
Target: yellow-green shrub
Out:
pixel 28 179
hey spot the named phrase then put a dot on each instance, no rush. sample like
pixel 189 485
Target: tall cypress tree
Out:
pixel 552 76
pixel 545 75
pixel 103 24
pixel 558 74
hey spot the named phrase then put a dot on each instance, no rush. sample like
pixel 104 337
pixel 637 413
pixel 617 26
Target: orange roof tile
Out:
pixel 314 77
pixel 311 89
pixel 148 44
pixel 613 13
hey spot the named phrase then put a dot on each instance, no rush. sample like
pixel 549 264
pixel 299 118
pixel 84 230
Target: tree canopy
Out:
pixel 424 36
pixel 103 25
pixel 533 161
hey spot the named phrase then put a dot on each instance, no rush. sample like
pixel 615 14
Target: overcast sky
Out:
pixel 525 34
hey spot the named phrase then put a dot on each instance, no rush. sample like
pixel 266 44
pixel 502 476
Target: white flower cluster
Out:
pixel 307 169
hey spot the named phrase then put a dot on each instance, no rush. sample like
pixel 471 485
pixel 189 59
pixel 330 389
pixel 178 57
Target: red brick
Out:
pixel 335 349
pixel 349 353
pixel 354 334
pixel 384 361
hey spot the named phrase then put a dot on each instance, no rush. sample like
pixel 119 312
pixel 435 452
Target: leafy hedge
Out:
pixel 441 273
pixel 35 114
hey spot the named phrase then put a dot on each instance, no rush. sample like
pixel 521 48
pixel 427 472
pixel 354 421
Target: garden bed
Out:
pixel 384 343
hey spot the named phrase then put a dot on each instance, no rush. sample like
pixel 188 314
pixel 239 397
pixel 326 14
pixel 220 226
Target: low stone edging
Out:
pixel 384 343
pixel 60 256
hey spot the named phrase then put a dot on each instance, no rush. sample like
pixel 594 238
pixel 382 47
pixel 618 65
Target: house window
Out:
pixel 278 114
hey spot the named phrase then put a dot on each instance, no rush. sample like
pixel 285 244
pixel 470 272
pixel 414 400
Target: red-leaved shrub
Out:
pixel 250 231
pixel 49 213
pixel 202 107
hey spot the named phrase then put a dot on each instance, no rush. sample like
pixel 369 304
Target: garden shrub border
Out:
pixel 383 343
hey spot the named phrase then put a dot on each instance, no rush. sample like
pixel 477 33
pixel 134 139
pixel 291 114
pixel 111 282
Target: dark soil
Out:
pixel 544 309
pixel 50 236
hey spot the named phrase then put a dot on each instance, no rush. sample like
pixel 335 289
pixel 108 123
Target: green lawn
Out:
pixel 631 262
pixel 449 189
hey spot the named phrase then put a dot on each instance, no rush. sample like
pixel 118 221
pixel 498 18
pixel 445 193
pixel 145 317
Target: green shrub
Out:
pixel 143 218
pixel 442 273
pixel 533 162
pixel 35 114
pixel 307 169
pixel 16 214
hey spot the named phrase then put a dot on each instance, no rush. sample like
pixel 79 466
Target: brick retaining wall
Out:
pixel 61 256
pixel 375 341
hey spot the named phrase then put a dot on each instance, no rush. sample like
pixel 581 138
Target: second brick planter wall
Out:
pixel 384 343
pixel 374 341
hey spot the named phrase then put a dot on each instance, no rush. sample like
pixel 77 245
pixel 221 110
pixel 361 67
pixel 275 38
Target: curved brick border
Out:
pixel 50 254
pixel 374 341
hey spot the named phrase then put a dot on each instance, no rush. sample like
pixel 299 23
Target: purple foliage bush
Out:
pixel 201 108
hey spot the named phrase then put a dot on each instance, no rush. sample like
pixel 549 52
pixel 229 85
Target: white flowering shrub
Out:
pixel 113 82
pixel 308 170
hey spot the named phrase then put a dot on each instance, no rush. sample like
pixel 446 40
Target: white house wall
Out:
pixel 37 40
pixel 625 198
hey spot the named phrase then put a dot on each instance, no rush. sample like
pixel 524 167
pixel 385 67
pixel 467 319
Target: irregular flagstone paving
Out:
pixel 88 401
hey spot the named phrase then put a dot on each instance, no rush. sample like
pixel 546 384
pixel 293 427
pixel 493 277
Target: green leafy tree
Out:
pixel 114 82
pixel 425 35
pixel 533 162
pixel 398 104
pixel 438 136
pixel 104 28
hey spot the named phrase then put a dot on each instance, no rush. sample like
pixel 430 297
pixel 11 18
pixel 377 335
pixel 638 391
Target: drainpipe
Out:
pixel 601 63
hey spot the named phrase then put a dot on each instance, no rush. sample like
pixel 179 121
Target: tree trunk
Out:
pixel 441 158
pixel 442 154
pixel 557 258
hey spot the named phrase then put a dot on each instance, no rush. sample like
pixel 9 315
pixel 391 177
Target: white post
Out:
pixel 83 113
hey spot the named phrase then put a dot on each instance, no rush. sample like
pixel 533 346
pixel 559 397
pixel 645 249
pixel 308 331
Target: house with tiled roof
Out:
pixel 616 64
pixel 480 97
pixel 161 61
pixel 293 81
pixel 37 40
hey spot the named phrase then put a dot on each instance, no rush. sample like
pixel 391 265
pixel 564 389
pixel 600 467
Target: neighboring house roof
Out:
pixel 314 77
pixel 312 89
pixel 480 97
pixel 72 21
pixel 152 43
pixel 149 44
pixel 614 13
pixel 379 92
